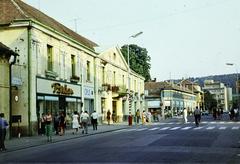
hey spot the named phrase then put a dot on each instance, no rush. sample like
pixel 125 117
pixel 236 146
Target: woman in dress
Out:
pixel 75 123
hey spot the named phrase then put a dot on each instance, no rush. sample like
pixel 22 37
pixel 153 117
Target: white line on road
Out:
pixel 154 129
pixel 235 127
pixel 165 128
pixel 141 129
pixel 222 128
pixel 197 128
pixel 210 128
pixel 186 128
pixel 175 128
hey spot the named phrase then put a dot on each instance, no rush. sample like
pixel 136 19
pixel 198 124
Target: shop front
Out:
pixel 57 97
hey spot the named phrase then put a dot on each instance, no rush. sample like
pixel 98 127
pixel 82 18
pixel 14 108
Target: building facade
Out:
pixel 57 70
pixel 168 99
pixel 220 92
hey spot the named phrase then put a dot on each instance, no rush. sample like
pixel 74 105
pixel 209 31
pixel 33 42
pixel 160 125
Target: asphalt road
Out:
pixel 174 142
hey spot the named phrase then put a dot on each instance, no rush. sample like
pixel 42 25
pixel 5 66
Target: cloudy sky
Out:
pixel 184 38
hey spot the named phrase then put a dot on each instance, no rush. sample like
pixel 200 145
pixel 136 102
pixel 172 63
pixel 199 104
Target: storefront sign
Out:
pixel 88 92
pixel 59 89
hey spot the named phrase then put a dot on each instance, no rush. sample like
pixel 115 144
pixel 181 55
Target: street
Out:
pixel 170 142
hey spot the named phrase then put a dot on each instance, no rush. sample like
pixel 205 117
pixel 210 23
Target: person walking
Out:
pixel 84 119
pixel 3 131
pixel 62 123
pixel 185 115
pixel 138 116
pixel 94 117
pixel 49 126
pixel 56 123
pixel 43 123
pixel 197 115
pixel 143 117
pixel 108 116
pixel 75 122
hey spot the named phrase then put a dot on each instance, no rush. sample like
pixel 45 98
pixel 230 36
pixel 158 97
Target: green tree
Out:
pixel 138 59
pixel 209 101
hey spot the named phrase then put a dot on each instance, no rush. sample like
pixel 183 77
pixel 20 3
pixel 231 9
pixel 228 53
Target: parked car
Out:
pixel 205 113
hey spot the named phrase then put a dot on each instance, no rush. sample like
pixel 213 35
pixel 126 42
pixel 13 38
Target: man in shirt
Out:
pixel 3 131
pixel 94 117
pixel 84 119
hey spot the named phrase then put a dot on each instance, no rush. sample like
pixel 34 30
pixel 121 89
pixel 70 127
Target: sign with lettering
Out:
pixel 59 89
pixel 50 87
pixel 88 92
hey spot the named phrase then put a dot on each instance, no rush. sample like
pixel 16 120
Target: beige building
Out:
pixel 115 94
pixel 58 70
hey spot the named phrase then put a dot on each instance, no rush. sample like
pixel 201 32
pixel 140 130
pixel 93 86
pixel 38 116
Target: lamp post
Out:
pixel 128 53
pixel 237 85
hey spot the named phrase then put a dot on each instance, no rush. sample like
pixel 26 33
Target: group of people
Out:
pixel 59 122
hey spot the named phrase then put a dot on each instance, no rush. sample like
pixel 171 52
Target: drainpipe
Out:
pixel 29 77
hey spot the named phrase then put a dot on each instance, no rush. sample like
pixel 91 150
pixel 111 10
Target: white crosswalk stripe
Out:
pixel 153 129
pixel 165 128
pixel 222 128
pixel 197 128
pixel 175 128
pixel 186 128
pixel 235 127
pixel 141 129
pixel 210 128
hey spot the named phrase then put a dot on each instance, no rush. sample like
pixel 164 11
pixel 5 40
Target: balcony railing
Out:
pixel 74 79
pixel 51 74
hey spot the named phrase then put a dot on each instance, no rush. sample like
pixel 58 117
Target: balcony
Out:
pixel 106 87
pixel 74 79
pixel 115 88
pixel 50 74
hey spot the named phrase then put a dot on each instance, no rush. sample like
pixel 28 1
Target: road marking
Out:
pixel 141 129
pixel 186 128
pixel 235 128
pixel 197 128
pixel 175 128
pixel 210 128
pixel 222 128
pixel 154 129
pixel 165 128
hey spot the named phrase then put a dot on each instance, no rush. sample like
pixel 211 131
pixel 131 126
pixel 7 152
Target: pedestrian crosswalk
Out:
pixel 181 128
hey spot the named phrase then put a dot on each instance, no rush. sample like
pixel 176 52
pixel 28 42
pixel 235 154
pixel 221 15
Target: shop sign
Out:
pixel 88 92
pixel 61 89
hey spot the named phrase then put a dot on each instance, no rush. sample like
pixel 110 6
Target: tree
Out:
pixel 138 59
pixel 209 101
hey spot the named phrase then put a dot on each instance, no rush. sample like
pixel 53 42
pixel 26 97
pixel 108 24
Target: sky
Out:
pixel 184 38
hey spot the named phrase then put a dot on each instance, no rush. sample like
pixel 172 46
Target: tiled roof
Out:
pixel 157 86
pixel 12 10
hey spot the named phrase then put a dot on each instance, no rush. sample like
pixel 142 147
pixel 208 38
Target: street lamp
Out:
pixel 237 85
pixel 128 51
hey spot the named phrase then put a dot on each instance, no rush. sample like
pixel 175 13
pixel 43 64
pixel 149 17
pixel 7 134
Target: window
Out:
pixel 49 58
pixel 88 70
pixel 114 56
pixel 103 75
pixel 73 64
pixel 123 80
pixel 114 78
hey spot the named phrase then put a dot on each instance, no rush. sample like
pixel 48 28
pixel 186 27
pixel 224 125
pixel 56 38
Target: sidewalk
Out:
pixel 25 142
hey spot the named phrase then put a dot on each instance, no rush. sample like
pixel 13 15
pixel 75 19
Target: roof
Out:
pixel 158 86
pixel 13 10
pixel 6 50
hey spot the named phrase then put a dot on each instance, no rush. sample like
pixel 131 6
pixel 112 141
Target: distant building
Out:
pixel 220 92
pixel 169 99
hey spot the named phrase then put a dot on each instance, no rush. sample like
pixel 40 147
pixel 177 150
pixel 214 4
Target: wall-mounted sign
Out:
pixel 88 92
pixel 61 89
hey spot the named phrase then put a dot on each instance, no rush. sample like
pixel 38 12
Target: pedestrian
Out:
pixel 49 126
pixel 75 122
pixel 43 122
pixel 62 123
pixel 56 123
pixel 94 117
pixel 84 119
pixel 108 116
pixel 138 116
pixel 197 115
pixel 114 117
pixel 185 115
pixel 143 117
pixel 3 131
